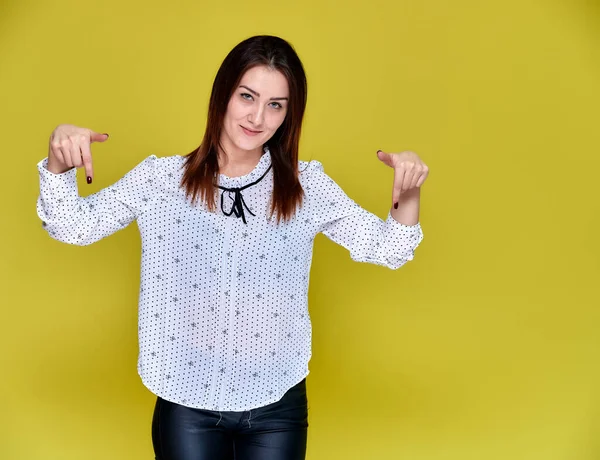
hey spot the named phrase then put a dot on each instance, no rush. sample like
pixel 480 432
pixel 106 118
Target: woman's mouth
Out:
pixel 250 132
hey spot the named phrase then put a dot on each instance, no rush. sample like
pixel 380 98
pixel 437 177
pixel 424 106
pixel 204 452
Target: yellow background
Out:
pixel 486 346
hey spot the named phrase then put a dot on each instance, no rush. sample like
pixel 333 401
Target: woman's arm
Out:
pixel 78 220
pixel 81 221
pixel 367 237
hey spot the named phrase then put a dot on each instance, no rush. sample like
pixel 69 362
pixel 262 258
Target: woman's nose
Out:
pixel 256 116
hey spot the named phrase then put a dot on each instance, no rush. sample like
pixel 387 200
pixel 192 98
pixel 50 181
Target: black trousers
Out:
pixel 277 431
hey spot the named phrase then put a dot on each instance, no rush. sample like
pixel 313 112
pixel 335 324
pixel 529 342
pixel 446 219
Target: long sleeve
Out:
pixel 78 220
pixel 367 237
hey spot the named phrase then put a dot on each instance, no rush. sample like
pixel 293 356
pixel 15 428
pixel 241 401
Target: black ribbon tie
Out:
pixel 237 208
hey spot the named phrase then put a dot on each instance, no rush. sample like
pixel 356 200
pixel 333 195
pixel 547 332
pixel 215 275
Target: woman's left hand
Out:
pixel 409 171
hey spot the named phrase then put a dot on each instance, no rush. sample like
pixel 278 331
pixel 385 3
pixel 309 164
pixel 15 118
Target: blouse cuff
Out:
pixel 58 192
pixel 400 232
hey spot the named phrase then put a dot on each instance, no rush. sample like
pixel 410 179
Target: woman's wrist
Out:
pixel 56 167
pixel 407 210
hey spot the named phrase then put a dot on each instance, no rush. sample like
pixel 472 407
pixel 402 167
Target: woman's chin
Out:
pixel 249 146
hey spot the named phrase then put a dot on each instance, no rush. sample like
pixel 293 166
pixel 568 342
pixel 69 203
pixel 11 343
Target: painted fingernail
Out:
pixel 89 180
pixel 106 134
pixel 379 151
pixel 395 205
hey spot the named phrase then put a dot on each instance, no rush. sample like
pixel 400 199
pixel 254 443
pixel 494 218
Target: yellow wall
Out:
pixel 485 347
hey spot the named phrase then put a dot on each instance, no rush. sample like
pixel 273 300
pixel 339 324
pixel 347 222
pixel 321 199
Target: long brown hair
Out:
pixel 201 165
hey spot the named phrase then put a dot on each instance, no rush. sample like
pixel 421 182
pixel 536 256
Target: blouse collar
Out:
pixel 259 170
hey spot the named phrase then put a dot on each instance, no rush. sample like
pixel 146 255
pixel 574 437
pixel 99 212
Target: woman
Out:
pixel 227 235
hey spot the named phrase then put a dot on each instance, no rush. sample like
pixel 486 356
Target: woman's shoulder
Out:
pixel 169 163
pixel 158 163
pixel 313 172
pixel 165 166
pixel 313 178
pixel 166 169
pixel 307 169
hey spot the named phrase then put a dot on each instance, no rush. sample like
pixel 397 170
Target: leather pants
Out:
pixel 277 431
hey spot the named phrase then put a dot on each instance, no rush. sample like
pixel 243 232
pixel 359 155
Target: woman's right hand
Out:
pixel 70 147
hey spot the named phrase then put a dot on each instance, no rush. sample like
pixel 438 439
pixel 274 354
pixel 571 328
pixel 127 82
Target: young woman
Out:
pixel 227 236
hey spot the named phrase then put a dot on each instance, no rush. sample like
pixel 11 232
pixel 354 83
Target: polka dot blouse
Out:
pixel 223 316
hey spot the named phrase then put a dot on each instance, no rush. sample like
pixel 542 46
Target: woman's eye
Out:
pixel 247 96
pixel 276 105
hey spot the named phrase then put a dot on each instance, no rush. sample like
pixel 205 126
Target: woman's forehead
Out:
pixel 265 81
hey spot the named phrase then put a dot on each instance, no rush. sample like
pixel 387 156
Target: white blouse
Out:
pixel 223 315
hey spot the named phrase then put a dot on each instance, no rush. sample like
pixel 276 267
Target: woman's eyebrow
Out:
pixel 258 95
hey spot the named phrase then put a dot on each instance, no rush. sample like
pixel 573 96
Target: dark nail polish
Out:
pixel 89 180
pixel 106 134
pixel 395 205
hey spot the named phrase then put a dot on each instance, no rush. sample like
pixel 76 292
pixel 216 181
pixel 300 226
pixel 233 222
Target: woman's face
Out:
pixel 256 110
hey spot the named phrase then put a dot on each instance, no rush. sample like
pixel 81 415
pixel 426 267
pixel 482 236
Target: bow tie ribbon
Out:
pixel 237 208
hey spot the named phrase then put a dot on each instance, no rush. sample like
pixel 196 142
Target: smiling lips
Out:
pixel 250 132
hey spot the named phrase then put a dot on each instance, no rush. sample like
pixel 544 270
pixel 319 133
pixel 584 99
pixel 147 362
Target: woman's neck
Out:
pixel 234 162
